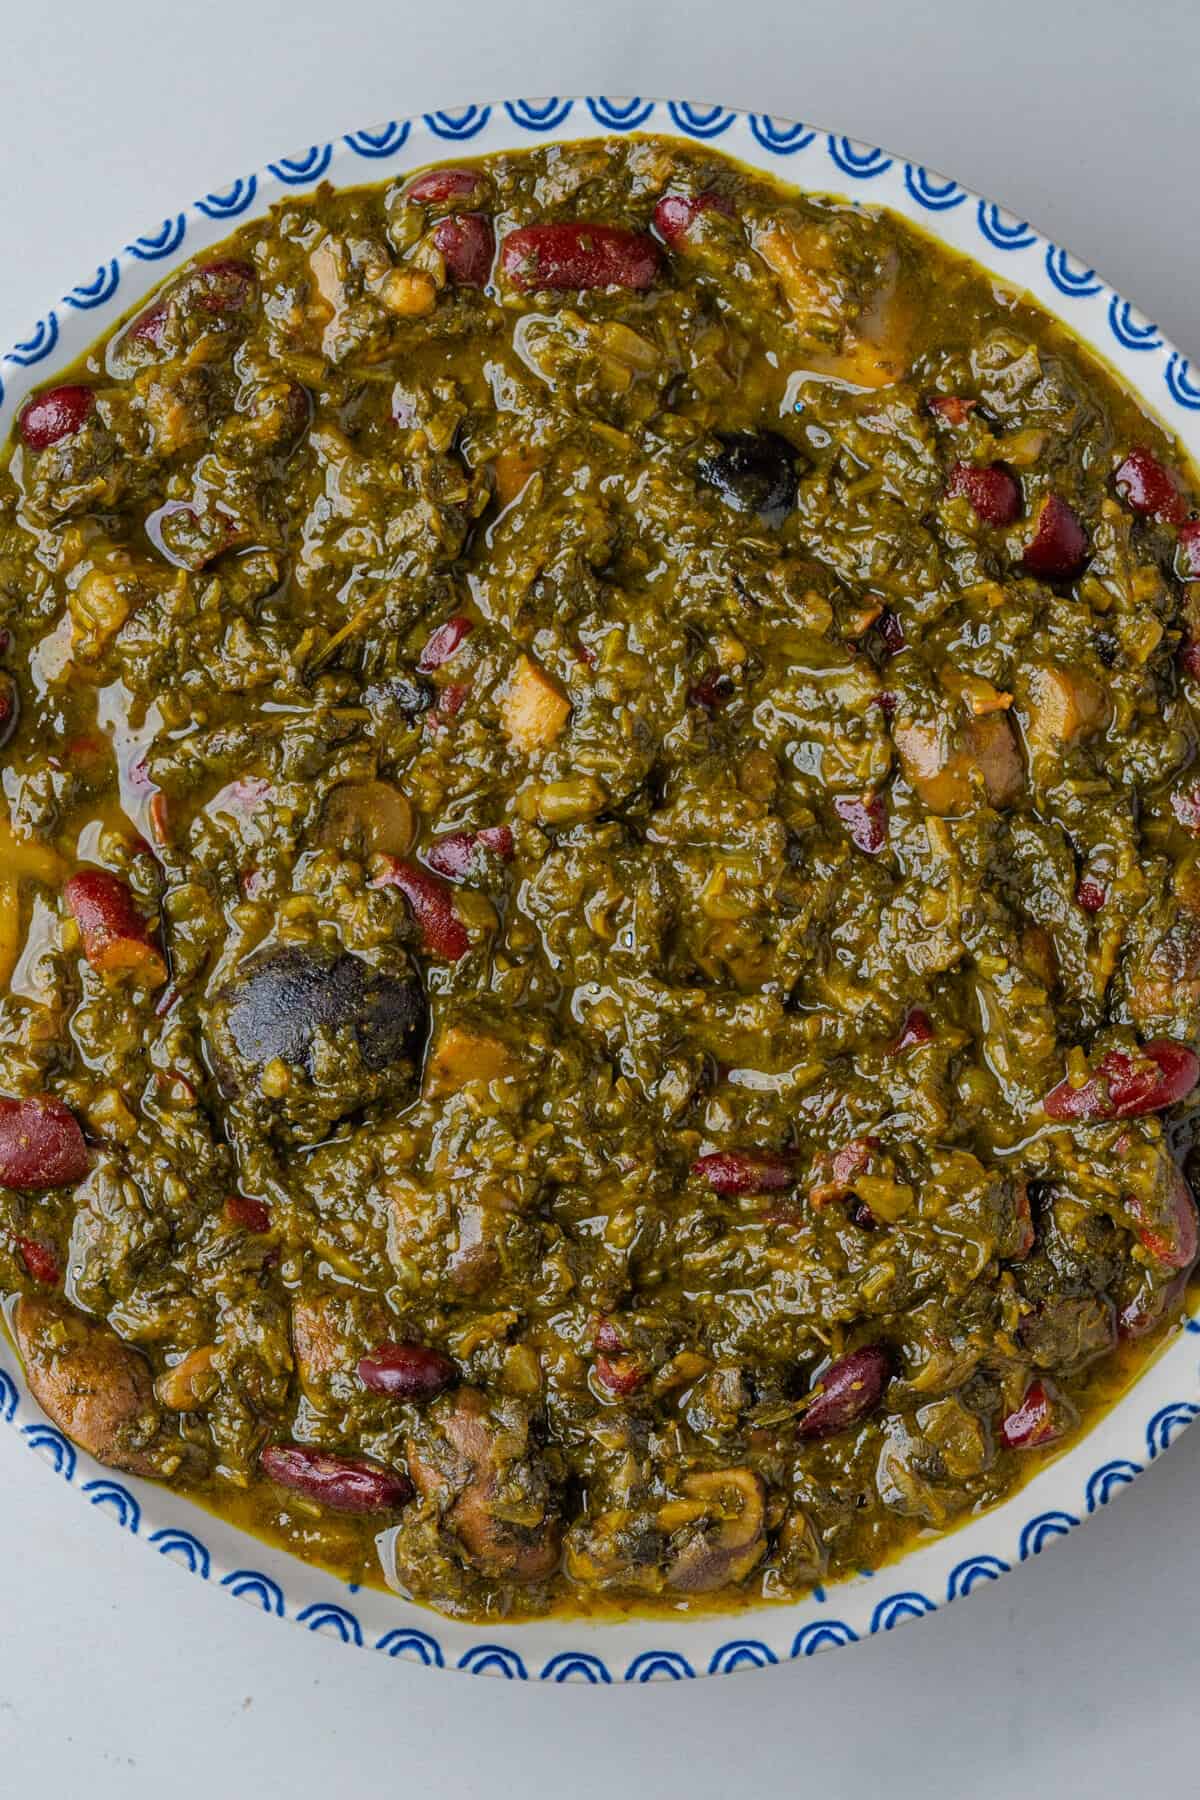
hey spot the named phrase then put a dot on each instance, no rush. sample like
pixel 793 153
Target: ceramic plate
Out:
pixel 1166 1396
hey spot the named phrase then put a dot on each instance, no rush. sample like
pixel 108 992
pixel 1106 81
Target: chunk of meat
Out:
pixel 94 1387
pixel 463 1054
pixel 1061 706
pixel 477 1469
pixel 726 1534
pixel 534 709
pixel 948 768
pixel 330 1332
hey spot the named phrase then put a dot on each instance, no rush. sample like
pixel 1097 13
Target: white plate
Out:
pixel 1166 1396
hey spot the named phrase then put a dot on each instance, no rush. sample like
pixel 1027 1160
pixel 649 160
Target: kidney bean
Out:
pixel 452 699
pixel 916 1029
pixel 712 691
pixel 576 256
pixel 225 285
pixel 1091 894
pixel 1189 658
pixel 442 931
pixel 40 1261
pixel 1122 1088
pixel 1032 1423
pixel 245 1214
pixel 951 407
pixel 619 1375
pixel 462 855
pixel 348 1484
pixel 1149 488
pixel 994 494
pixel 745 1171
pixel 1023 1209
pixel 849 1389
pixel 865 820
pixel 1175 1239
pixel 1058 548
pixel 1185 805
pixel 675 214
pixel 1151 1305
pixel 443 642
pixel 467 244
pixel 10 707
pixel 115 936
pixel 434 187
pixel 407 1371
pixel 891 632
pixel 56 414
pixel 41 1145
pixel 851 1160
pixel 607 1338
pixel 1187 554
pixel 149 326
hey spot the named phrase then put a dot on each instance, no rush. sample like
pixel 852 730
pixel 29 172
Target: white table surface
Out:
pixel 122 1676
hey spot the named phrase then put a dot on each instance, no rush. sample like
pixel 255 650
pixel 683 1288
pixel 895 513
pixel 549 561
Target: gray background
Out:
pixel 1077 1675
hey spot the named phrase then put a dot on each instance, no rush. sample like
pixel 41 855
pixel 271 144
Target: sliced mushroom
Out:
pixel 94 1387
pixel 726 1537
pixel 476 1467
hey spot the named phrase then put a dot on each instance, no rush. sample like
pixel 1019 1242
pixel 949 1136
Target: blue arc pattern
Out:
pixel 831 155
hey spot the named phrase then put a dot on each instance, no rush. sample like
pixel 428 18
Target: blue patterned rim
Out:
pixel 1066 1491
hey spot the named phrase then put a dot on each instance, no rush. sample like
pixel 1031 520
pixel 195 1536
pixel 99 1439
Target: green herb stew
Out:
pixel 599 887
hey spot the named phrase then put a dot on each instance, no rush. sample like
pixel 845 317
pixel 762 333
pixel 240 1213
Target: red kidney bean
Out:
pixel 1189 658
pixel 10 707
pixel 620 1375
pixel 407 1371
pixel 891 631
pixel 712 691
pixel 578 256
pixel 1175 1239
pixel 41 1145
pixel 442 642
pixel 1187 554
pixel 916 1029
pixel 56 414
pixel 115 936
pixel 452 699
pixel 149 326
pixel 1023 1207
pixel 994 494
pixel 348 1484
pixel 1150 1306
pixel 467 244
pixel 886 702
pixel 1124 1088
pixel 1091 894
pixel 1032 1423
pixel 1058 548
pixel 851 1160
pixel 463 855
pixel 226 285
pixel 675 214
pixel 1149 488
pixel 951 407
pixel 745 1171
pixel 1185 805
pixel 607 1338
pixel 849 1389
pixel 442 931
pixel 434 187
pixel 246 1214
pixel 40 1261
pixel 865 820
